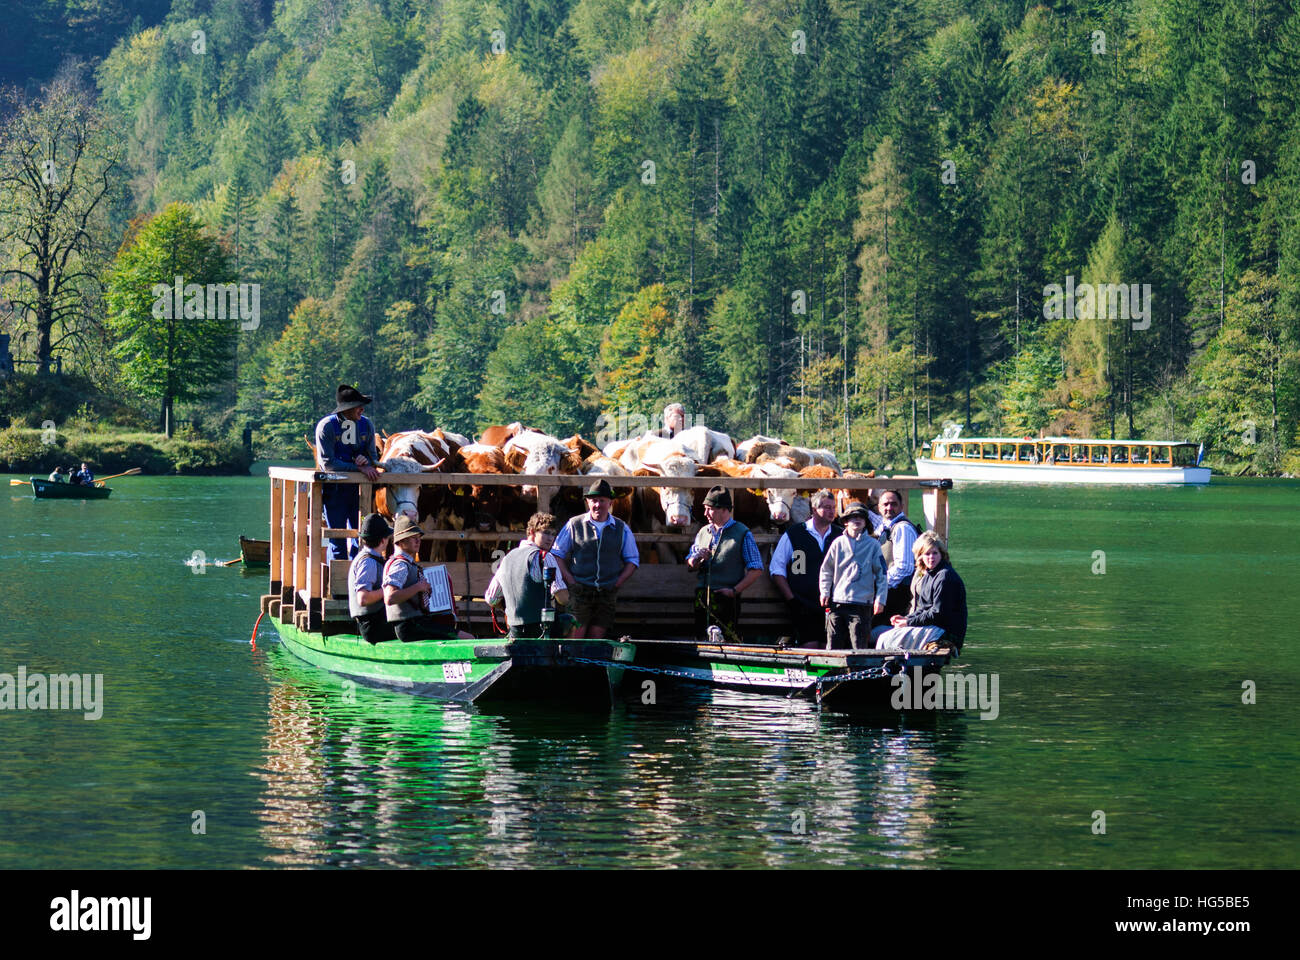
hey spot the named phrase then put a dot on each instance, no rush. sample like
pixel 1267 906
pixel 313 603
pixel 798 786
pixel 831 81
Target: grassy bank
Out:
pixel 34 451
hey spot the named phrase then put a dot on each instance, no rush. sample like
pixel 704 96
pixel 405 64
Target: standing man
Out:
pixel 674 421
pixel 596 554
pixel 896 536
pixel 345 442
pixel 365 587
pixel 728 561
pixel 806 544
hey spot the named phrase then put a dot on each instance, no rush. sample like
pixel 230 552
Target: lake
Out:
pixel 1125 625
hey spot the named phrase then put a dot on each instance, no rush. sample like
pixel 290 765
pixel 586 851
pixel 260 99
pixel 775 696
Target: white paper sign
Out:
pixel 439 598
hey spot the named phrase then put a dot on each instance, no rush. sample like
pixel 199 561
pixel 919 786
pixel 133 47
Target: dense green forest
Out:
pixel 845 223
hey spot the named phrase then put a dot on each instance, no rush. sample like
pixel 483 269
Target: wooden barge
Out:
pixel 307 602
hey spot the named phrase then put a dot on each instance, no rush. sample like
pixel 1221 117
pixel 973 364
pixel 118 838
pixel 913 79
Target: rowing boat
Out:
pixel 254 553
pixel 837 679
pixel 54 490
pixel 570 672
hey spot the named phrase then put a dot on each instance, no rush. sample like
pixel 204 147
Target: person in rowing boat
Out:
pixel 365 582
pixel 939 612
pixel 897 536
pixel 853 582
pixel 58 476
pixel 596 553
pixel 806 545
pixel 728 561
pixel 521 582
pixel 405 590
pixel 84 475
pixel 345 442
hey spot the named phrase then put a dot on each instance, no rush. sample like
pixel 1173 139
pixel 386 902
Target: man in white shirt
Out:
pixel 794 568
pixel 896 535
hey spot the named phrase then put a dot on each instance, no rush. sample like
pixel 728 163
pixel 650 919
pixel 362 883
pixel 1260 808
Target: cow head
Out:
pixel 405 497
pixel 780 500
pixel 676 501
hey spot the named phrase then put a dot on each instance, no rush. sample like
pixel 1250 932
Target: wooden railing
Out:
pixel 300 580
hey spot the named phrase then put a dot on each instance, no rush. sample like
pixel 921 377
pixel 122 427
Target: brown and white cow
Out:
pixel 497 436
pixel 413 451
pixel 698 443
pixel 537 454
pixel 780 504
pixel 788 455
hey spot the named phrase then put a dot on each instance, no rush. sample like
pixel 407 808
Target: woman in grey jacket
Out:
pixel 853 583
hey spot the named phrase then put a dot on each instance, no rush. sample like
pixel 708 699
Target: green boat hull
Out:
pixel 791 672
pixel 51 490
pixel 472 671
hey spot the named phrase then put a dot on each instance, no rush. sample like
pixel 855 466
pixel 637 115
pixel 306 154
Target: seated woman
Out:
pixel 57 476
pixel 938 611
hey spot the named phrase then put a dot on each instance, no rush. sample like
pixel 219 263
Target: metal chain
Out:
pixel 873 673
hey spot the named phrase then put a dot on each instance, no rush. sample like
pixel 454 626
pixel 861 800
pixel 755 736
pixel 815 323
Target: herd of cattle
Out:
pixel 514 449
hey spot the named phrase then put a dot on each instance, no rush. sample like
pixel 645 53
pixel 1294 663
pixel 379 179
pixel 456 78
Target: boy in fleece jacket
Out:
pixel 854 583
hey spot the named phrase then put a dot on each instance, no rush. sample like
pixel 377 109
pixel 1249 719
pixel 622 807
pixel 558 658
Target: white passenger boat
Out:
pixel 1063 460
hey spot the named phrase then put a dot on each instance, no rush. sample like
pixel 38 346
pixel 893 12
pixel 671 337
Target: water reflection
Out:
pixel 709 779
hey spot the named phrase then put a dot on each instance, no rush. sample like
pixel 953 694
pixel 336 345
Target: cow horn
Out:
pixel 434 467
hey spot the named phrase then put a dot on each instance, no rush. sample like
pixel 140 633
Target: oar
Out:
pixel 20 483
pixel 126 473
pixel 230 563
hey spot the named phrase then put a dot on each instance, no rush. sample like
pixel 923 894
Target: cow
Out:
pixel 844 497
pixel 789 456
pixel 581 448
pixel 500 436
pixel 489 506
pixel 698 443
pixel 772 506
pixel 537 454
pixel 413 451
pixel 743 448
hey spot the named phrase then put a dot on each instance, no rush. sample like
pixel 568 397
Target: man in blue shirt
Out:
pixel 345 442
pixel 84 475
pixel 596 553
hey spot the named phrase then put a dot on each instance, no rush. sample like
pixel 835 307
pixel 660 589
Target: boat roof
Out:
pixel 1075 440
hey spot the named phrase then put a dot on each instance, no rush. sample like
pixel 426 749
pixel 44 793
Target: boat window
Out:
pixel 988 451
pixel 1183 456
pixel 1120 454
pixel 941 451
pixel 1160 455
pixel 1139 454
pixel 1060 452
pixel 1098 454
pixel 958 450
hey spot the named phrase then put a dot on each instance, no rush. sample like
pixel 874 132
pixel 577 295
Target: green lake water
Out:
pixel 1119 692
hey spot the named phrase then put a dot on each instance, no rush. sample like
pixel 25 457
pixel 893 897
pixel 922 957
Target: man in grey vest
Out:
pixel 523 579
pixel 596 553
pixel 728 561
pixel 405 590
pixel 365 587
pixel 796 564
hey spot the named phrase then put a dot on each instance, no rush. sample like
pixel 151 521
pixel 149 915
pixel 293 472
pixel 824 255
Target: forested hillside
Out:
pixel 841 222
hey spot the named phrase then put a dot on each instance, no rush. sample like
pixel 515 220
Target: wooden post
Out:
pixel 277 535
pixel 367 494
pixel 936 511
pixel 544 499
pixel 286 542
pixel 300 550
pixel 315 557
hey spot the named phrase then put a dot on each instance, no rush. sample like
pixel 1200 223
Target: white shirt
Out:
pixel 784 551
